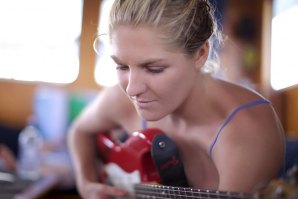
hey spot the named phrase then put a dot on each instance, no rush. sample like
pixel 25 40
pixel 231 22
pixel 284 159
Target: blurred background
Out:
pixel 49 69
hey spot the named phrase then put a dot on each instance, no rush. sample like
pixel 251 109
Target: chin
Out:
pixel 150 116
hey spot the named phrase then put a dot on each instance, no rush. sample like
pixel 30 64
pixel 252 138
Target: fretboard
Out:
pixel 149 191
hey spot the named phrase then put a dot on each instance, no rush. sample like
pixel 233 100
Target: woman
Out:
pixel 229 137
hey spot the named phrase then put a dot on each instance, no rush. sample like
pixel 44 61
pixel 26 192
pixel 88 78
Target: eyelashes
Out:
pixel 150 69
pixel 122 68
pixel 155 69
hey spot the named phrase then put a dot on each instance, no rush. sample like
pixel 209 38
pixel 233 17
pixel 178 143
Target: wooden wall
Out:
pixel 291 108
pixel 16 97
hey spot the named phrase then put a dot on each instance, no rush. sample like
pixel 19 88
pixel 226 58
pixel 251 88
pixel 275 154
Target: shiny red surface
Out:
pixel 131 155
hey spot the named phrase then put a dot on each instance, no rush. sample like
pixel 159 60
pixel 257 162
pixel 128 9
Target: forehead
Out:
pixel 126 34
pixel 145 39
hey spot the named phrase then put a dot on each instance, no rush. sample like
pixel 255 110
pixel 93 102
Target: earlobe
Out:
pixel 202 55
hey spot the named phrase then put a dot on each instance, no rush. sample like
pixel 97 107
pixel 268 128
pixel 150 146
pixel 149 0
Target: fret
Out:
pixel 172 191
pixel 161 193
pixel 188 193
pixel 177 194
pixel 197 193
pixel 154 189
pixel 166 192
pixel 182 193
pixel 192 193
pixel 202 194
pixel 215 194
pixel 206 194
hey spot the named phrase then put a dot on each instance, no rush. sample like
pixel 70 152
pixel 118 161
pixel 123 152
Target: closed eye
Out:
pixel 122 67
pixel 155 69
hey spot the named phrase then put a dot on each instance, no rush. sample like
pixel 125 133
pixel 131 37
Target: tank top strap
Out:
pixel 144 124
pixel 231 116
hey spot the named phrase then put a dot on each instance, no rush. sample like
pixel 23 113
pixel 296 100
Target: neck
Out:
pixel 201 100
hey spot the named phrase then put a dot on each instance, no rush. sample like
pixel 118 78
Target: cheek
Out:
pixel 168 89
pixel 178 86
pixel 176 90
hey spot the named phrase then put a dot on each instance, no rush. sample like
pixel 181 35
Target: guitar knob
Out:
pixel 162 144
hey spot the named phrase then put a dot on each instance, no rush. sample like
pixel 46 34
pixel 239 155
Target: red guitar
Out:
pixel 129 165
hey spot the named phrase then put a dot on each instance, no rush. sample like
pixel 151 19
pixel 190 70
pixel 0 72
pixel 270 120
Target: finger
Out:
pixel 113 191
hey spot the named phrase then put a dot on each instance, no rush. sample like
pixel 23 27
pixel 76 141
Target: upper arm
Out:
pixel 250 151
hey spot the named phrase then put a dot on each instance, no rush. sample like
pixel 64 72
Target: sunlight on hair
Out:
pixel 105 72
pixel 284 62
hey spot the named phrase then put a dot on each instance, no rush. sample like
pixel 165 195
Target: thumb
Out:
pixel 114 191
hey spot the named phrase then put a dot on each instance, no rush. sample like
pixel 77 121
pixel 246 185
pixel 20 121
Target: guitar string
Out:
pixel 151 189
pixel 201 196
pixel 151 194
pixel 186 189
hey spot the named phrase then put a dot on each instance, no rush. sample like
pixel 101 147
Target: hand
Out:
pixel 8 158
pixel 93 190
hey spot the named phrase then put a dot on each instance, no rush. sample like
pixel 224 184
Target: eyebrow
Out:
pixel 145 63
pixel 115 59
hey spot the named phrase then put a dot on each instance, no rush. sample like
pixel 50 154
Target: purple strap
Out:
pixel 230 117
pixel 144 124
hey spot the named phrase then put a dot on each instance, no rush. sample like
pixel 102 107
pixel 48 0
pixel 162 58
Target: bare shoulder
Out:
pixel 254 113
pixel 251 143
pixel 253 120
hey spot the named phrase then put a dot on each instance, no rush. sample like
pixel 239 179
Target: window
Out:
pixel 105 73
pixel 284 44
pixel 39 40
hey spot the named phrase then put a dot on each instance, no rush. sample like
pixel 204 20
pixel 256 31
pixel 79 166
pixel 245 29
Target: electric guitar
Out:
pixel 129 165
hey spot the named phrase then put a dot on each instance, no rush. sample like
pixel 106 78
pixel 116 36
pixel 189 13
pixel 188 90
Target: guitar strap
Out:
pixel 167 161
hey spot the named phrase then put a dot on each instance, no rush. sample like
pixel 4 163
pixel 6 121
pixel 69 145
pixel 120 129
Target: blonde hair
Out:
pixel 185 24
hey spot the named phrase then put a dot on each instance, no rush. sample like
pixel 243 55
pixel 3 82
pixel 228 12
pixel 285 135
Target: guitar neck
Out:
pixel 153 191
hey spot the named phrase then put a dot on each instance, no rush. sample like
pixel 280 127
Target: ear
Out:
pixel 201 55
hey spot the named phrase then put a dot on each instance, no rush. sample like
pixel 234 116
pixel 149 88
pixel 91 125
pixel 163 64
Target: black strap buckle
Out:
pixel 167 161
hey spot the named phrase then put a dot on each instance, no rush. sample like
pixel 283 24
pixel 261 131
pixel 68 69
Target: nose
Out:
pixel 135 84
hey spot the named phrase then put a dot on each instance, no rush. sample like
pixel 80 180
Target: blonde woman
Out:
pixel 229 137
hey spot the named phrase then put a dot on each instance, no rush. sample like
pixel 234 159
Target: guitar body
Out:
pixel 129 165
pixel 129 162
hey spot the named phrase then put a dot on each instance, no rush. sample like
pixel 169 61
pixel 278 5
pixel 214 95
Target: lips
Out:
pixel 143 103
